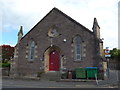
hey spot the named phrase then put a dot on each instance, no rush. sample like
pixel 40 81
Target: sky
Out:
pixel 27 13
pixel 119 25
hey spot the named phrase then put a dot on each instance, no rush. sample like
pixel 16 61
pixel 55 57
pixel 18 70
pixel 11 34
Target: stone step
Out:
pixel 50 76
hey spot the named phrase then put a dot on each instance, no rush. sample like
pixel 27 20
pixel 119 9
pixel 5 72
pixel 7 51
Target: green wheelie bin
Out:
pixel 92 72
pixel 80 73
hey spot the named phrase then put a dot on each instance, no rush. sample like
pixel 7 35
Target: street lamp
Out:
pixel 107 55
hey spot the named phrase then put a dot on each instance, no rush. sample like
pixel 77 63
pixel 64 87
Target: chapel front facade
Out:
pixel 57 43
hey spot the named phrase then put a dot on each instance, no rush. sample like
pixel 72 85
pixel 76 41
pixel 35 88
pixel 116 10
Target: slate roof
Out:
pixel 63 15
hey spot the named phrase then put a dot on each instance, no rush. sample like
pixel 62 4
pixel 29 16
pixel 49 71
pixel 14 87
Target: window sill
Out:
pixel 30 61
pixel 78 61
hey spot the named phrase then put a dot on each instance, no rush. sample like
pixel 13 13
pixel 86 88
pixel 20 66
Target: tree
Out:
pixel 7 52
pixel 119 54
pixel 115 53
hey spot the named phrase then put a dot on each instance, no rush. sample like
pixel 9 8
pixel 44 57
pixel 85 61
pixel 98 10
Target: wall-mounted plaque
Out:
pixel 53 32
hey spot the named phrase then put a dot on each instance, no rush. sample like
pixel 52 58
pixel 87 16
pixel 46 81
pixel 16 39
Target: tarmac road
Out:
pixel 18 83
pixel 113 78
pixel 23 83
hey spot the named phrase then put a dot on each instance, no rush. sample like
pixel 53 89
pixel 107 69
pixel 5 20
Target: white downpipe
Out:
pixel 96 79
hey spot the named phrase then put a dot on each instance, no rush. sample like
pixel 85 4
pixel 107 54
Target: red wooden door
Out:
pixel 54 61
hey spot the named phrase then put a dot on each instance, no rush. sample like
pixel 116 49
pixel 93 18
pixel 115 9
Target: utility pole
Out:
pixel 107 55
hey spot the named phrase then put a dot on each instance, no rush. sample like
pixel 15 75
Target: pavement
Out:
pixel 20 83
pixel 113 78
pixel 112 82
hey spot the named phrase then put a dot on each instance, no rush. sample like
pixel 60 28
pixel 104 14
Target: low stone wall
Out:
pixel 114 65
pixel 5 71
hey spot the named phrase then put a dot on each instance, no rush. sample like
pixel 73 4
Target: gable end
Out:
pixel 63 15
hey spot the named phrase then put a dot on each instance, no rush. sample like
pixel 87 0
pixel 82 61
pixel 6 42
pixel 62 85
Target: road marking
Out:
pixel 27 86
pixel 22 86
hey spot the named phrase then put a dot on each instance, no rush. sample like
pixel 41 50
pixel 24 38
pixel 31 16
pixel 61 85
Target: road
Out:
pixel 13 83
pixel 113 78
pixel 20 83
pixel 17 83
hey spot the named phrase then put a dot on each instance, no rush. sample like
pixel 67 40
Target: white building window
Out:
pixel 77 48
pixel 32 51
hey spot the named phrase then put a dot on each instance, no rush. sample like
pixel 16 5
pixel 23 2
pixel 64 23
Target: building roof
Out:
pixel 63 15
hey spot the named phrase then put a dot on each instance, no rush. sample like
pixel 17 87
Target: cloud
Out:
pixel 15 18
pixel 119 25
pixel 28 12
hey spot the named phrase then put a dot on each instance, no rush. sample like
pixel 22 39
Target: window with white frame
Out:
pixel 32 51
pixel 77 48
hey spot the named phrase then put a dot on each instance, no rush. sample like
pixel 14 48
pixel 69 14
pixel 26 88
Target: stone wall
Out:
pixel 5 71
pixel 68 29
pixel 114 64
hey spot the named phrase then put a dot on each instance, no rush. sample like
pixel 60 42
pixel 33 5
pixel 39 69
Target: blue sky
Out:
pixel 9 37
pixel 27 13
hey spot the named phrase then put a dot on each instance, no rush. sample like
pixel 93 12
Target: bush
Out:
pixel 39 74
pixel 64 76
pixel 5 64
pixel 0 64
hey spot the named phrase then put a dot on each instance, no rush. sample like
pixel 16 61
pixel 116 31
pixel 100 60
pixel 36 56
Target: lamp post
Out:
pixel 107 55
pixel 108 68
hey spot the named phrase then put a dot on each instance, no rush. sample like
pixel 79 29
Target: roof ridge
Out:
pixel 71 19
pixel 62 14
pixel 38 23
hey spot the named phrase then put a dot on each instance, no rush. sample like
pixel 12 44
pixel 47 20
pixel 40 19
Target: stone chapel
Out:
pixel 57 43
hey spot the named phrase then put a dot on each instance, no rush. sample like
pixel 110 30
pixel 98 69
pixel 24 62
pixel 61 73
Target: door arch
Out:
pixel 49 56
pixel 54 61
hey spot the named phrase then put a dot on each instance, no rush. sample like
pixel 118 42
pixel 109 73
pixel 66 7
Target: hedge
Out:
pixel 5 64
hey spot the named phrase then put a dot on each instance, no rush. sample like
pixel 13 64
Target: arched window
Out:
pixel 32 51
pixel 77 48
